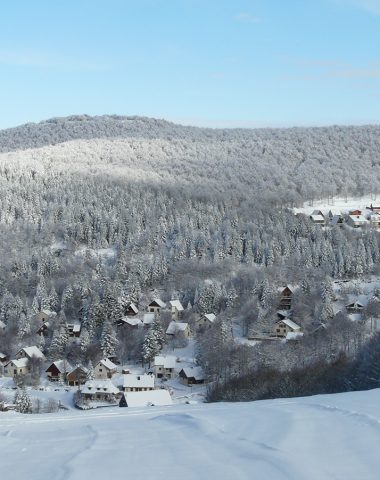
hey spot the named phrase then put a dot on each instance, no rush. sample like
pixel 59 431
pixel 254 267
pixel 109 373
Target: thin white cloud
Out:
pixel 370 6
pixel 246 17
pixel 36 59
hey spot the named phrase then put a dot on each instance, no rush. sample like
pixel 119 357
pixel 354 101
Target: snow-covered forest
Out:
pixel 97 212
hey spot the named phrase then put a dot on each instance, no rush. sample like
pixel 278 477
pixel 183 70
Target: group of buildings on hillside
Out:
pixel 369 217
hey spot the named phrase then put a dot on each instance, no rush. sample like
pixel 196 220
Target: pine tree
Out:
pixel 23 401
pixel 108 340
pixel 90 371
pixel 151 347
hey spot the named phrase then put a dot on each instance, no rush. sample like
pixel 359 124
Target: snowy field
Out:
pixel 339 204
pixel 320 438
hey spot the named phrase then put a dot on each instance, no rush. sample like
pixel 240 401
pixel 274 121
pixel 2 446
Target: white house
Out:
pixel 138 383
pixel 284 326
pixel 146 399
pixel 30 352
pixel 374 221
pixel 104 369
pixel 16 367
pixel 178 328
pixel 156 305
pixel 356 221
pixel 176 309
pixel 100 390
pixel 205 321
pixel 164 366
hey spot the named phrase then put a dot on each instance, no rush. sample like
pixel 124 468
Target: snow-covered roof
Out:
pixel 106 362
pixel 2 325
pixel 159 302
pixel 133 321
pixel 317 218
pixel 133 307
pixel 132 380
pixel 177 304
pixel 193 372
pixel 75 327
pixel 150 398
pixel 148 318
pixel 168 361
pixel 210 317
pixel 2 355
pixel 79 367
pixel 20 363
pixel 62 365
pixel 94 386
pixel 175 327
pixel 293 335
pixel 290 324
pixel 32 352
pixel 49 313
pixel 358 218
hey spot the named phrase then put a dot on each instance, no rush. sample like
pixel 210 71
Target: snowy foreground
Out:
pixel 322 437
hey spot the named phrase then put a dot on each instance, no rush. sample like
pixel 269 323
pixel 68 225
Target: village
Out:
pixel 168 378
pixel 368 217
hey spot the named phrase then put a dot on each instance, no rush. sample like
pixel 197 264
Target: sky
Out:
pixel 249 63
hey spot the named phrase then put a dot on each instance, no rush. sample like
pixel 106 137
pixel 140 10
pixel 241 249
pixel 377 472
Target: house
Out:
pixel 375 209
pixel 77 376
pixel 176 328
pixel 355 307
pixel 374 221
pixel 317 217
pixel 30 352
pixel 337 220
pixel 148 319
pixel 156 305
pixel 100 391
pixel 283 327
pixel 74 329
pixel 131 310
pixel 286 295
pixel 164 366
pixel 3 358
pixel 176 309
pixel 130 322
pixel 205 321
pixel 16 367
pixel 146 399
pixel 355 213
pixel 356 221
pixel 104 369
pixel 58 370
pixel 2 326
pixel 191 375
pixel 43 331
pixel 138 383
pixel 44 315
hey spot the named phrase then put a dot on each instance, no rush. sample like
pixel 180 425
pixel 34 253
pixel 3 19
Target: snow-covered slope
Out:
pixel 315 438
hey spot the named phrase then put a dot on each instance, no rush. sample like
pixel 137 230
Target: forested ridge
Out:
pixel 99 211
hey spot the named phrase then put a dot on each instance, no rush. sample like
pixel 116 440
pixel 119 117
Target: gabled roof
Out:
pixel 175 327
pixel 96 386
pixel 19 363
pixel 79 367
pixel 132 380
pixel 32 352
pixel 62 366
pixel 210 317
pixel 149 398
pixel 168 361
pixel 158 302
pixel 133 307
pixel 133 321
pixel 193 372
pixel 358 218
pixel 290 324
pixel 106 362
pixel 317 218
pixel 177 304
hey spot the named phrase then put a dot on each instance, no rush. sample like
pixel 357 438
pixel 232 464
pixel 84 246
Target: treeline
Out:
pixel 342 374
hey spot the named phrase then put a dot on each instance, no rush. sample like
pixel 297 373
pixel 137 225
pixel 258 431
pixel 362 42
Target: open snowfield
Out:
pixel 323 437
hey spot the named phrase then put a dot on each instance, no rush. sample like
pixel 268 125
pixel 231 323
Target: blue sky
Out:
pixel 203 62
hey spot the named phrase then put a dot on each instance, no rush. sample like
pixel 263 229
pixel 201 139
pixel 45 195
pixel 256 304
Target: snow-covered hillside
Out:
pixel 314 438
